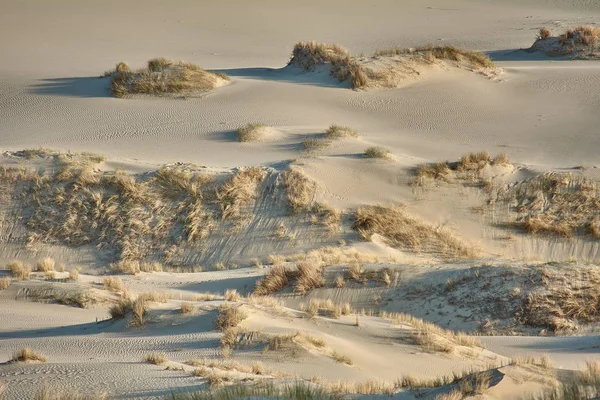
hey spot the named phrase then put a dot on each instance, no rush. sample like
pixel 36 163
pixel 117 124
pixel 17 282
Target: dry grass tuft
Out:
pixel 74 274
pixel 309 276
pixel 163 76
pixel 186 308
pixel 113 284
pixel 239 191
pixel 5 283
pixel 315 144
pixel 26 354
pixel 430 336
pixel 310 55
pixel 300 190
pixel 274 281
pixel 232 295
pixel 472 59
pixel 401 230
pixel 251 132
pixel 230 316
pixel 469 167
pixel 45 265
pixel 156 358
pixel 121 308
pixel 337 131
pixel 378 152
pixel 544 33
pixel 341 358
pixel 19 270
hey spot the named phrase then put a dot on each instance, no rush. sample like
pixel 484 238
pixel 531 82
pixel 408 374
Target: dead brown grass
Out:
pixel 5 283
pixel 156 358
pixel 163 76
pixel 564 300
pixel 315 144
pixel 473 59
pixel 310 55
pixel 186 308
pixel 468 168
pixel 239 191
pixel 556 204
pixel 300 189
pixel 273 281
pixel 45 265
pixel 430 336
pixel 230 316
pixel 404 231
pixel 28 355
pixel 113 284
pixel 19 270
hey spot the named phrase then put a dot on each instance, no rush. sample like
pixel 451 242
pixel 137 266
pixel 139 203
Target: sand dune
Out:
pixel 432 233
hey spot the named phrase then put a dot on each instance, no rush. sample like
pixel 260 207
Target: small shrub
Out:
pixel 378 152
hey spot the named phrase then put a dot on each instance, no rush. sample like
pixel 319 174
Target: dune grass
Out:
pixel 5 283
pixel 402 230
pixel 251 132
pixel 26 355
pixel 19 270
pixel 162 76
pixel 230 316
pixel 300 190
pixel 338 131
pixel 156 358
pixel 344 67
pixel 378 152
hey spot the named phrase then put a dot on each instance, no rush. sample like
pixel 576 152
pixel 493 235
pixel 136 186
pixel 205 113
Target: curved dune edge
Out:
pixel 386 68
pixel 579 43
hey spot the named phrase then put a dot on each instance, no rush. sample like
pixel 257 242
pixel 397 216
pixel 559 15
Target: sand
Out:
pixel 538 110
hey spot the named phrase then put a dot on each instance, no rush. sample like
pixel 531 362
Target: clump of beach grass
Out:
pixel 338 131
pixel 28 355
pixel 402 230
pixel 163 76
pixel 378 152
pixel 251 132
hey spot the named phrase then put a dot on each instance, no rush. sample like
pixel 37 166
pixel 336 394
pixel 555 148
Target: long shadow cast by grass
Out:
pixel 286 74
pixel 86 87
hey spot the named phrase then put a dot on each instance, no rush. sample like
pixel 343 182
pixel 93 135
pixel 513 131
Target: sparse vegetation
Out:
pixel 5 283
pixel 378 152
pixel 404 231
pixel 337 131
pixel 74 274
pixel 232 295
pixel 230 316
pixel 19 270
pixel 156 358
pixel 114 284
pixel 300 189
pixel 468 168
pixel 186 308
pixel 27 355
pixel 251 132
pixel 163 76
pixel 46 265
pixel 315 144
pixel 341 358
